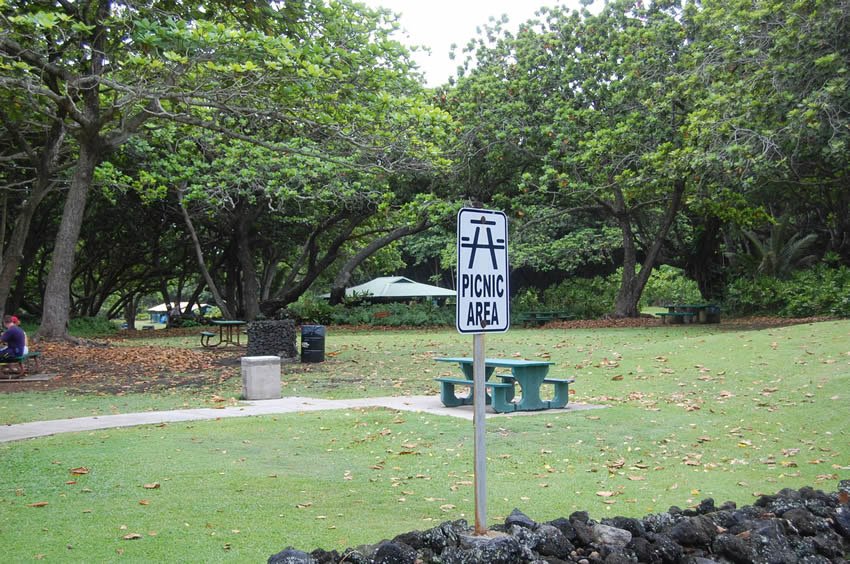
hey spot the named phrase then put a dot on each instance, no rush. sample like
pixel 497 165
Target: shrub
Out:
pixel 584 298
pixel 816 291
pixel 669 285
pixel 415 314
pixel 747 296
pixel 311 309
pixel 591 298
pixel 91 327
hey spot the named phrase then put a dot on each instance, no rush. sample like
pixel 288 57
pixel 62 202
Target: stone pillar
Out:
pixel 273 337
pixel 260 377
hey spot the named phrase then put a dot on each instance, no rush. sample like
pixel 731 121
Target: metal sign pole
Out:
pixel 479 399
pixel 483 306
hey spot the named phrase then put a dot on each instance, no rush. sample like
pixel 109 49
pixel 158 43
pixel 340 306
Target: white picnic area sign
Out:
pixel 483 306
pixel 483 299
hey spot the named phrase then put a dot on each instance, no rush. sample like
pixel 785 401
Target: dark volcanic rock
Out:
pixel 802 520
pixel 803 526
pixel 550 541
pixel 663 548
pixel 694 531
pixel 519 518
pixel 325 557
pixel 291 556
pixel 565 527
pixel 394 553
pixel 413 539
pixel 842 521
pixel 633 526
pixel 733 548
pixel 828 544
pixel 502 550
pixel 770 543
pixel 584 533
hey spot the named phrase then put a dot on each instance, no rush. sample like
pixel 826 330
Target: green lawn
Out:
pixel 693 412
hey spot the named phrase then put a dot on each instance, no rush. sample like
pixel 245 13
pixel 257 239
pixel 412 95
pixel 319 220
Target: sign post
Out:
pixel 483 306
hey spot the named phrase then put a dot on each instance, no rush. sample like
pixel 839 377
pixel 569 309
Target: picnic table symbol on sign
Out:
pixel 474 245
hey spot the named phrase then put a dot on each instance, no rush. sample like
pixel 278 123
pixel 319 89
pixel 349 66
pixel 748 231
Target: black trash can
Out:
pixel 312 343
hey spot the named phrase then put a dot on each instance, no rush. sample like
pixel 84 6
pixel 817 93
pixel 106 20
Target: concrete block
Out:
pixel 260 377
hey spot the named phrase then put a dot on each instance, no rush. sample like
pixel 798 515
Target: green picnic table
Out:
pixel 690 313
pixel 529 374
pixel 542 317
pixel 227 328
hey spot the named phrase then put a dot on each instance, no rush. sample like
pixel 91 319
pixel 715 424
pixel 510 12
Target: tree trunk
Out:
pixel 344 277
pixel 44 165
pixel 705 261
pixel 130 305
pixel 628 295
pixel 202 265
pixel 250 283
pixel 633 283
pixel 57 295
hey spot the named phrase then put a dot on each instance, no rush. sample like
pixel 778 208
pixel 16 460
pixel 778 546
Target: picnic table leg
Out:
pixel 467 373
pixel 501 402
pixel 530 378
pixel 448 397
pixel 562 395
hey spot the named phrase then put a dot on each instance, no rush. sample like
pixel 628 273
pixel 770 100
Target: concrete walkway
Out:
pixel 422 404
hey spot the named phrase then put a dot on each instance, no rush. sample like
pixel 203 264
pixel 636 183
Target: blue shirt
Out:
pixel 15 338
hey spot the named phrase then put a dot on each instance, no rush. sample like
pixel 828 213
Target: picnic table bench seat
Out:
pixel 23 360
pixel 541 317
pixel 205 338
pixel 677 316
pixel 502 393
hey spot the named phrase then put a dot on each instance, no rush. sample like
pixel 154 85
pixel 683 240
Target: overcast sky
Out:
pixel 439 23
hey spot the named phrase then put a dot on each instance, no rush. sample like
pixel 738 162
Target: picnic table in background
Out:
pixel 227 328
pixel 541 317
pixel 529 374
pixel 691 313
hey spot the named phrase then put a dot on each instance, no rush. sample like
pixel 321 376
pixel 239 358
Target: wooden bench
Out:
pixel 562 389
pixel 677 317
pixel 502 393
pixel 22 362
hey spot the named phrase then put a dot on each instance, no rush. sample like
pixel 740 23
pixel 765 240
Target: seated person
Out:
pixel 14 340
pixel 17 322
